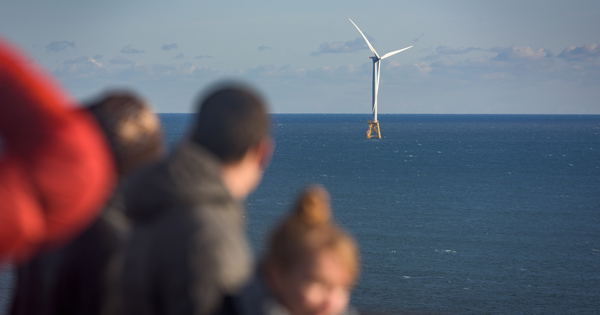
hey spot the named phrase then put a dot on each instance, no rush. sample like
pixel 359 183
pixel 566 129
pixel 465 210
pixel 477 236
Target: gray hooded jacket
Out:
pixel 188 247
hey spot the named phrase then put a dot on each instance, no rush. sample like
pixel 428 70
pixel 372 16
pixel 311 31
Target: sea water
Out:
pixel 454 214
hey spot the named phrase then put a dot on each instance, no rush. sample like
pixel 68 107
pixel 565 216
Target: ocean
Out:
pixel 454 214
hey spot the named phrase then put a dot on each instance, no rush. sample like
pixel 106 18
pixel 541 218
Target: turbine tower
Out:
pixel 376 68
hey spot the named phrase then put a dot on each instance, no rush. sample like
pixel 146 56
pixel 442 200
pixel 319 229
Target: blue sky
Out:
pixel 473 57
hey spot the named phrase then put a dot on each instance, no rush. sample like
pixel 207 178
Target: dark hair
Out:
pixel 131 128
pixel 231 119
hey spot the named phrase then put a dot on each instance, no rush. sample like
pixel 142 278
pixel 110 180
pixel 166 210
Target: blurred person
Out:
pixel 188 247
pixel 83 277
pixel 310 266
pixel 55 166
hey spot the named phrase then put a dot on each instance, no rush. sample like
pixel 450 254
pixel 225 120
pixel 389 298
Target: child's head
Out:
pixel 312 263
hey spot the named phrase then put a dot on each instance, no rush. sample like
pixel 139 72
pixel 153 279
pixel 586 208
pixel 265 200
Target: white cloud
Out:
pixel 95 61
pixel 120 60
pixel 82 67
pixel 516 53
pixel 342 47
pixel 445 50
pixel 505 65
pixel 129 50
pixel 418 37
pixel 423 67
pixel 498 65
pixel 487 73
pixel 57 46
pixel 169 46
pixel 587 52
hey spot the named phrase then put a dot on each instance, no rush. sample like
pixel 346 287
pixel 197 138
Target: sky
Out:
pixel 469 57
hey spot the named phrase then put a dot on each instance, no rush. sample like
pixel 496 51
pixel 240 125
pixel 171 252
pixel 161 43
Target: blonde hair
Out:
pixel 309 229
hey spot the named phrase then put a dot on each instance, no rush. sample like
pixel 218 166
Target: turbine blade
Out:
pixel 365 37
pixel 395 52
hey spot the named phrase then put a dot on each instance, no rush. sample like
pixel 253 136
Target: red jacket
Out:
pixel 55 167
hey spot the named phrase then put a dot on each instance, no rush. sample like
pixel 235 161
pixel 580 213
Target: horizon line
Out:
pixel 366 114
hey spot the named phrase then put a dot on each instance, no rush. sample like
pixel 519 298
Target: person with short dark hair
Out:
pixel 188 247
pixel 83 276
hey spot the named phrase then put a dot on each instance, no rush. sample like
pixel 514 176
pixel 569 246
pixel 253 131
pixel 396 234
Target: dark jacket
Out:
pixel 80 277
pixel 188 247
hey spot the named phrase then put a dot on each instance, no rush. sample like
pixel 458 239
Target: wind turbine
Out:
pixel 376 68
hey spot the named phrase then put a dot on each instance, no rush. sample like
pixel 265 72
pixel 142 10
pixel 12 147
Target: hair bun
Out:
pixel 313 207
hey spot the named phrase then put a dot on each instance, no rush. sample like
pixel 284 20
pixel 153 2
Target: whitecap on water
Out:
pixel 445 251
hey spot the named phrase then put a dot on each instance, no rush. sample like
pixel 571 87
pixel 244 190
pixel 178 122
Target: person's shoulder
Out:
pixel 220 242
pixel 219 223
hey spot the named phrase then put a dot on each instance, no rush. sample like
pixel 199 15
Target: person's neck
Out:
pixel 230 175
pixel 242 176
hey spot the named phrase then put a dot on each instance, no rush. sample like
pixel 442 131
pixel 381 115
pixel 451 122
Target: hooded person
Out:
pixel 83 276
pixel 188 247
pixel 310 266
pixel 55 166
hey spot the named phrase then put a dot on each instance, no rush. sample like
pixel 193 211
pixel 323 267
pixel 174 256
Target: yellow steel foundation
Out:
pixel 373 131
